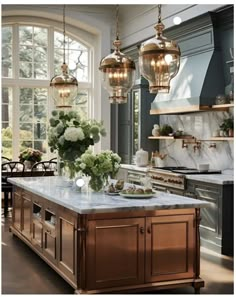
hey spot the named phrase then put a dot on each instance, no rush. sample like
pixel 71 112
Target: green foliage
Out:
pixel 30 154
pixel 227 124
pixel 98 166
pixel 71 136
pixel 165 130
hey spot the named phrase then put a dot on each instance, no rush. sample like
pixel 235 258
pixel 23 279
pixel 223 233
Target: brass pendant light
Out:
pixel 118 71
pixel 64 86
pixel 159 59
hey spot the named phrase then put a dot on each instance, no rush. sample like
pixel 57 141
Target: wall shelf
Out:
pixel 172 137
pixel 221 138
pixel 192 109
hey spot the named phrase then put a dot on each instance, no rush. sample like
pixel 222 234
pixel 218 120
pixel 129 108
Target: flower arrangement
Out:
pixel 31 155
pixel 71 136
pixel 98 166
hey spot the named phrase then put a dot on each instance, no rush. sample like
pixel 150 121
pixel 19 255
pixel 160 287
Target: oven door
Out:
pixel 159 188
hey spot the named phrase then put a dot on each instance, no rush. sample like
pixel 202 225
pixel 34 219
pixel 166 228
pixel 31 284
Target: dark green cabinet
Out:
pixel 216 226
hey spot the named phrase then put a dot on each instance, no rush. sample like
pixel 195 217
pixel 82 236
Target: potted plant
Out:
pixel 228 126
pixel 30 156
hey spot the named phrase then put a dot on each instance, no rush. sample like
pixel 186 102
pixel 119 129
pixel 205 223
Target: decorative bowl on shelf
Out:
pixel 221 99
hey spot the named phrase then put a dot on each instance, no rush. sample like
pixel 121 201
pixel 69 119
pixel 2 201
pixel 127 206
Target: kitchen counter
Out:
pixel 220 179
pixel 134 167
pixel 56 190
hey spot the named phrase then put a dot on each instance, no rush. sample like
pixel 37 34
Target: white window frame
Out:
pixel 16 83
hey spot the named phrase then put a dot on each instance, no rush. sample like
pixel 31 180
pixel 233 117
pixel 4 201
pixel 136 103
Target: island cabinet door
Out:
pixel 17 206
pixel 37 223
pixel 170 247
pixel 115 253
pixel 26 215
pixel 67 243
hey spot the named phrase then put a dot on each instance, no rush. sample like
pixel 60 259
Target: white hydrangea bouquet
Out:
pixel 99 167
pixel 70 136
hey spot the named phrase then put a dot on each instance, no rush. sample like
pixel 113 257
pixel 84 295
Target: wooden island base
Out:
pixel 116 252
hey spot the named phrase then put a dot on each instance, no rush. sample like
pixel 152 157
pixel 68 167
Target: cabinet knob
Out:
pixel 141 230
pixel 49 231
pixel 149 230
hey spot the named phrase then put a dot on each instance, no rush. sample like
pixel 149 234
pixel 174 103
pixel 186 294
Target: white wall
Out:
pixel 137 21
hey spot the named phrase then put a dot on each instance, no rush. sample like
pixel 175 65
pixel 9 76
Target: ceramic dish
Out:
pixel 112 193
pixel 136 196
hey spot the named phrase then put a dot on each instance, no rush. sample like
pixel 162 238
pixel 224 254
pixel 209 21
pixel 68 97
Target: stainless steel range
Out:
pixel 172 179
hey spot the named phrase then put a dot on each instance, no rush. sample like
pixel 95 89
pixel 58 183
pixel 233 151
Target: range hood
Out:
pixel 200 78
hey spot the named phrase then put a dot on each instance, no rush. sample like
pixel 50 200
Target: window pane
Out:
pixel 76 45
pixel 7 132
pixel 40 54
pixel 25 34
pixel 25 144
pixel 58 40
pixel 26 113
pixel 25 70
pixel 26 53
pixel 6 68
pixel 7 149
pixel 78 64
pixel 26 96
pixel 40 71
pixel 6 35
pixel 81 103
pixel 26 131
pixel 40 112
pixel 40 96
pixel 39 131
pixel 7 96
pixel 41 146
pixel 40 36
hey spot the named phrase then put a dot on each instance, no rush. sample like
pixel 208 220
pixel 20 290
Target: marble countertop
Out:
pixel 219 179
pixel 134 167
pixel 55 189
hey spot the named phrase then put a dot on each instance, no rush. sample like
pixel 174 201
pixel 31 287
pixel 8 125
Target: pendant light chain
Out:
pixel 159 13
pixel 117 22
pixel 64 34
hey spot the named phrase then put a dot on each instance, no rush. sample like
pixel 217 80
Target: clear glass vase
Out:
pixel 96 183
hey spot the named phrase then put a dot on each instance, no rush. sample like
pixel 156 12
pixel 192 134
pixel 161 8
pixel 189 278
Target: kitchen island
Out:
pixel 109 244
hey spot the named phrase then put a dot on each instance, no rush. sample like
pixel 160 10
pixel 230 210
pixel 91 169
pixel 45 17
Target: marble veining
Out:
pixel 55 189
pixel 201 125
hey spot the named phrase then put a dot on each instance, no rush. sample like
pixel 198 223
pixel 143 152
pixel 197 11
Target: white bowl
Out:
pixel 203 167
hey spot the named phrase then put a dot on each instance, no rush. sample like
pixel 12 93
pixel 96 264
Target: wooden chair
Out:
pixel 10 168
pixel 43 168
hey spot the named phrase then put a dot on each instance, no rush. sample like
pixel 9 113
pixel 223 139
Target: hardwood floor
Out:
pixel 23 272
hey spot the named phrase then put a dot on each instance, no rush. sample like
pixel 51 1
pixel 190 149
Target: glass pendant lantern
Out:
pixel 159 60
pixel 64 86
pixel 118 72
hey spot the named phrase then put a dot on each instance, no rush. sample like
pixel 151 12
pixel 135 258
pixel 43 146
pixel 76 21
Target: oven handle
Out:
pixel 162 189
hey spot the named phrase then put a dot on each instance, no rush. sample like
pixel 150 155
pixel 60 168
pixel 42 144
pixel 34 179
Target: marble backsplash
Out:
pixel 200 125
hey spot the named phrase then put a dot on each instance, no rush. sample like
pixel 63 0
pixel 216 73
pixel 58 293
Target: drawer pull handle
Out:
pixel 141 230
pixel 81 230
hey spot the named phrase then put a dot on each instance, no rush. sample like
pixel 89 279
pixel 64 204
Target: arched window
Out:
pixel 31 56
